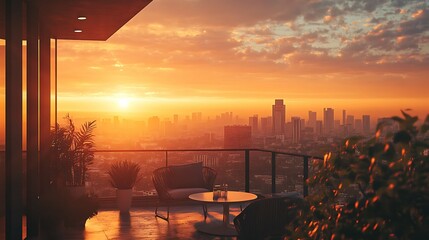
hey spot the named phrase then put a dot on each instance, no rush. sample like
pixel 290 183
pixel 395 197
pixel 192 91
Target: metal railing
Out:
pixel 246 151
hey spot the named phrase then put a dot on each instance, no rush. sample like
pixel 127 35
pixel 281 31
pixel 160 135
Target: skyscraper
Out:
pixel 266 125
pixel 296 129
pixel 366 123
pixel 253 123
pixel 279 116
pixel 344 118
pixel 328 120
pixel 350 122
pixel 312 116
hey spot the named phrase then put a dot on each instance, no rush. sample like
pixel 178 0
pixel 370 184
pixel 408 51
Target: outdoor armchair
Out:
pixel 268 217
pixel 174 184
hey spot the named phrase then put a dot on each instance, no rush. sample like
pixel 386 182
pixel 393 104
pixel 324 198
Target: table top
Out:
pixel 233 197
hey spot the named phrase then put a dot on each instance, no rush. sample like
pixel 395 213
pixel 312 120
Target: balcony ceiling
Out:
pixel 103 17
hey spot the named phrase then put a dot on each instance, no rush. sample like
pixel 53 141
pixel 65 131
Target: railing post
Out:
pixel 273 172
pixel 305 176
pixel 166 158
pixel 247 170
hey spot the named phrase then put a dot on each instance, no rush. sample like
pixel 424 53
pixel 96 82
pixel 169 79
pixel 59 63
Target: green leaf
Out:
pixel 402 137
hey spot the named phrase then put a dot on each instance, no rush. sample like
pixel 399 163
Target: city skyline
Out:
pixel 203 116
pixel 366 57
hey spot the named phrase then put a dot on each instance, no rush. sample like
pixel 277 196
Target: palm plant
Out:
pixel 73 150
pixel 124 174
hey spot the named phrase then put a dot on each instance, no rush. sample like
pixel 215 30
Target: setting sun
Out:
pixel 123 103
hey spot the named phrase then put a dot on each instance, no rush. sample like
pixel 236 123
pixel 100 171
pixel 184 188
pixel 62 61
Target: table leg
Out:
pixel 224 228
pixel 226 214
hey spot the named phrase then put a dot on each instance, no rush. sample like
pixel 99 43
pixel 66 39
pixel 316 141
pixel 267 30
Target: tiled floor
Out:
pixel 142 224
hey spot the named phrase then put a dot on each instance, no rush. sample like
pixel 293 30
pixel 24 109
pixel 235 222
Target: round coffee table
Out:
pixel 225 228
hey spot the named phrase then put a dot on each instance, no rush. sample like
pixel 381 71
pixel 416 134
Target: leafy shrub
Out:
pixel 124 174
pixel 375 189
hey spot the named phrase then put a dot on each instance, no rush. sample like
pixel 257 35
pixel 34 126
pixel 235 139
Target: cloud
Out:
pixel 418 24
pixel 223 12
pixel 186 47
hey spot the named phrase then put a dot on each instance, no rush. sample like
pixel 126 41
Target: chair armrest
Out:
pixel 209 177
pixel 159 179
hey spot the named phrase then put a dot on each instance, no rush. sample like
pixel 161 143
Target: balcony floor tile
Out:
pixel 142 224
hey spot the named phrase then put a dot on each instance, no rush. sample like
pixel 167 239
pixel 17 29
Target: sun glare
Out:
pixel 123 103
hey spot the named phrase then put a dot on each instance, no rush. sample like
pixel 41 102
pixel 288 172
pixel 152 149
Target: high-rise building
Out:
pixel 279 116
pixel 328 120
pixel 175 119
pixel 266 125
pixel 366 124
pixel 237 136
pixel 350 121
pixel 312 117
pixel 302 123
pixel 288 131
pixel 253 123
pixel 344 118
pixel 296 129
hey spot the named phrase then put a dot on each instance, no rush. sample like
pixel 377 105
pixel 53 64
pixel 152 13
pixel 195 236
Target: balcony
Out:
pixel 259 171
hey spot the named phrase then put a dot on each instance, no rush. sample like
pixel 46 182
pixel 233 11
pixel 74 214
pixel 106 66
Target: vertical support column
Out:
pixel 45 108
pixel 305 176
pixel 166 158
pixel 14 175
pixel 273 172
pixel 247 170
pixel 32 118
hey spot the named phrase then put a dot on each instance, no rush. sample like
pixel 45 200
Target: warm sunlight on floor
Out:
pixel 141 223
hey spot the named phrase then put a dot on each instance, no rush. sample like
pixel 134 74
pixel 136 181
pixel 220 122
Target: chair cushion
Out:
pixel 186 176
pixel 183 193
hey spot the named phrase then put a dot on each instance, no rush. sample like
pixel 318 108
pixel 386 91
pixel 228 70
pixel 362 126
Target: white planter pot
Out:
pixel 124 198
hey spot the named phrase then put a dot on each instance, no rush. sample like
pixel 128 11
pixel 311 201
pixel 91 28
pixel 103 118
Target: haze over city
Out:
pixel 369 57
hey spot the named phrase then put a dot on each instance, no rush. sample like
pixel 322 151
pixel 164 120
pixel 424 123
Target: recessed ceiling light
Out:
pixel 81 18
pixel 78 30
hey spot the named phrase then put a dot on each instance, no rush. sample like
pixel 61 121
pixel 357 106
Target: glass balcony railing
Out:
pixel 252 170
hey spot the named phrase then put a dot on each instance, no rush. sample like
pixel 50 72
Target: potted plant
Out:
pixel 79 210
pixel 51 210
pixel 123 176
pixel 73 151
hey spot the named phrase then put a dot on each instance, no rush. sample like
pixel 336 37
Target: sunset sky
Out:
pixel 366 56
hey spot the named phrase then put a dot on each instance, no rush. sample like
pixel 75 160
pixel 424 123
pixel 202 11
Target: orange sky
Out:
pixel 369 57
